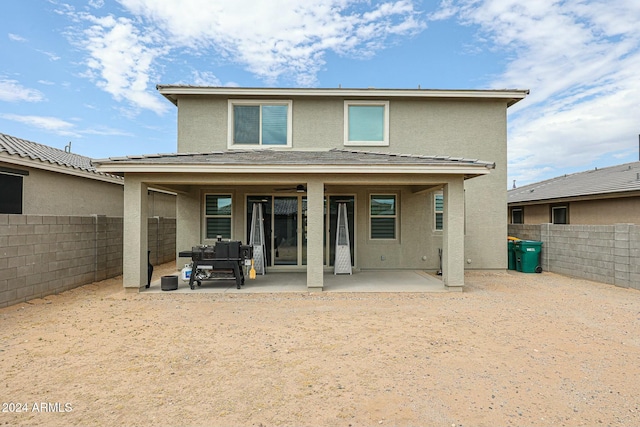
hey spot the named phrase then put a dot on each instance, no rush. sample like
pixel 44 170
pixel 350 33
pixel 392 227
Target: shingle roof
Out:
pixel 614 179
pixel 27 149
pixel 285 157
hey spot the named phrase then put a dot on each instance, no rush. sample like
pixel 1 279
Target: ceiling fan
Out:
pixel 298 189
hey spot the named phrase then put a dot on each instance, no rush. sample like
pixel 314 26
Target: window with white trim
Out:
pixel 217 211
pixel 258 124
pixel 383 216
pixel 366 123
pixel 438 211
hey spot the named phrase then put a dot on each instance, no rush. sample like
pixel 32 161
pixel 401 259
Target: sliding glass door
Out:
pixel 285 230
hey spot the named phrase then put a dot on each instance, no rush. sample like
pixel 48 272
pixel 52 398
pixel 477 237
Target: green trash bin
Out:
pixel 528 256
pixel 512 254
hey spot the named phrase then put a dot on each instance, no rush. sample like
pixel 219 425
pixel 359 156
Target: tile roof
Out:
pixel 614 179
pixel 287 157
pixel 27 149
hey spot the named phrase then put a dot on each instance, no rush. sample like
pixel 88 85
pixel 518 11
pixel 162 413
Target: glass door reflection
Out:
pixel 285 230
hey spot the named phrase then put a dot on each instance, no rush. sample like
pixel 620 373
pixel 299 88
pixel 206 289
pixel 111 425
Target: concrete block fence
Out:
pixel 603 253
pixel 44 255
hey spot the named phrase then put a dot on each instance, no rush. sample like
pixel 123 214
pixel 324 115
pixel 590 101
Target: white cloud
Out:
pixel 205 78
pixel 120 60
pixel 13 91
pixel 278 41
pixel 16 38
pixel 580 60
pixel 52 124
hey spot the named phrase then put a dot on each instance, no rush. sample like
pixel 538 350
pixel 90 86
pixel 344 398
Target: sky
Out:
pixel 85 72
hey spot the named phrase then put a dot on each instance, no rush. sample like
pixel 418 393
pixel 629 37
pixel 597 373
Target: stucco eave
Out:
pixel 466 170
pixel 172 92
pixel 52 167
pixel 586 197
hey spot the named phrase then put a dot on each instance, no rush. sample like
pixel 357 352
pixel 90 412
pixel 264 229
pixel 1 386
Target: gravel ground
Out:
pixel 513 349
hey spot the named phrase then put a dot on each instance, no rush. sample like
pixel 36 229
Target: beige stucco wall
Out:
pixel 54 193
pixel 605 211
pixel 590 212
pixel 162 204
pixel 460 128
pixel 536 214
pixel 416 247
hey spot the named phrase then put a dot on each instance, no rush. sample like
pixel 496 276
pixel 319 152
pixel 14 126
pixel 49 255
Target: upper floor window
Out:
pixel 366 123
pixel 258 124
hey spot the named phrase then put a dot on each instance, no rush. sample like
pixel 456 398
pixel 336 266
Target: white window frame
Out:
pixel 204 213
pixel 258 103
pixel 396 217
pixel 385 141
pixel 436 211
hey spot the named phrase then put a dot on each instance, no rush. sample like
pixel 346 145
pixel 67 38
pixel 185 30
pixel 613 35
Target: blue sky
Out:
pixel 85 71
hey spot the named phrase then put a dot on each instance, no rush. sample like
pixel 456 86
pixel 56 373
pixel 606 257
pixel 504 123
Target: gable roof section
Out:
pixel 605 182
pixel 172 92
pixel 31 154
pixel 334 160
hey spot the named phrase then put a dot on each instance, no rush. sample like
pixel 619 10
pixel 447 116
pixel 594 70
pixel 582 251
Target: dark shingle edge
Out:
pixel 612 179
pixel 262 156
pixel 23 148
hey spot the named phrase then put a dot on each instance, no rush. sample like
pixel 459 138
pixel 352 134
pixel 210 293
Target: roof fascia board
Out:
pixel 582 198
pixel 253 169
pixel 513 95
pixel 52 167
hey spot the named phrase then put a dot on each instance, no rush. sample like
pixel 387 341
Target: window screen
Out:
pixel 383 216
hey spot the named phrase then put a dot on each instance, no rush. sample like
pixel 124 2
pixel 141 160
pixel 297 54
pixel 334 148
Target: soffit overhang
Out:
pixel 173 92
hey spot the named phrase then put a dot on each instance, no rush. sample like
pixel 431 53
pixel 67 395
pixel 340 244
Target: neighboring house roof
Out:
pixel 595 183
pixel 510 95
pixel 269 160
pixel 27 153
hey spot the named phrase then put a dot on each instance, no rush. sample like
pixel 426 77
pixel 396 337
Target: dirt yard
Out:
pixel 513 349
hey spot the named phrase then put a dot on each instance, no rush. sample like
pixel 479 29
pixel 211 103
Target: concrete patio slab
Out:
pixel 362 281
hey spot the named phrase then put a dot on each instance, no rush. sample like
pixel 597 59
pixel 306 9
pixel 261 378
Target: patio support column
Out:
pixel 134 251
pixel 453 238
pixel 188 227
pixel 315 234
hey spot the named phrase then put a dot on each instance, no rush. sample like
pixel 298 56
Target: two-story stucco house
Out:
pixel 420 171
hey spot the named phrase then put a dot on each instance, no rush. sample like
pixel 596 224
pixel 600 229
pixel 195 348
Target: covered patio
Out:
pixel 319 173
pixel 361 281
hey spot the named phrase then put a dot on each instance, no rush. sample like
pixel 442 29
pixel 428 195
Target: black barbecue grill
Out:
pixel 224 261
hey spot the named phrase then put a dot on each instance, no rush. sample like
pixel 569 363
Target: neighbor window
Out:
pixel 218 216
pixel 11 191
pixel 517 216
pixel 559 215
pixel 259 124
pixel 366 123
pixel 438 209
pixel 383 216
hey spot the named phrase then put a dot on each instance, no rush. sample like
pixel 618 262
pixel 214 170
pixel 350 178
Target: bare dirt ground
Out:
pixel 513 349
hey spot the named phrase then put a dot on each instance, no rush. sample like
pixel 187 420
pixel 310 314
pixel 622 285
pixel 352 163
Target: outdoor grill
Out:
pixel 224 261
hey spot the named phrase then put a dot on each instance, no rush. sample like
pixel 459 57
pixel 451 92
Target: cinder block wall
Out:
pixel 43 255
pixel 604 253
